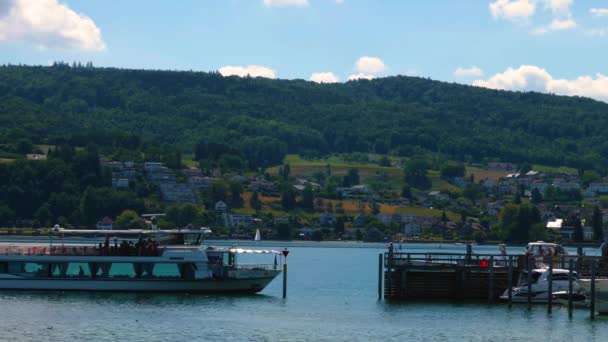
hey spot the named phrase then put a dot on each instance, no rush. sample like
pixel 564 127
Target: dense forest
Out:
pixel 263 119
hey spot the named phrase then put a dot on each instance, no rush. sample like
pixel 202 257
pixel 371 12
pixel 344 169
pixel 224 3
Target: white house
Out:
pixel 105 224
pixel 220 206
pixel 236 220
pixel 598 187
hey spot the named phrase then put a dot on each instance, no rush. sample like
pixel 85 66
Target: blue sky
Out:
pixel 557 46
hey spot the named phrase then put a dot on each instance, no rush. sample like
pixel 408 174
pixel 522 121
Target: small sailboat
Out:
pixel 258 237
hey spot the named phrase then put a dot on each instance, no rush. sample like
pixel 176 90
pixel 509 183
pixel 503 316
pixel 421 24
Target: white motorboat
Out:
pixel 601 293
pixel 144 266
pixel 540 285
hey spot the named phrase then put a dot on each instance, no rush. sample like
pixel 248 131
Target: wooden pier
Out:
pixel 467 276
pixel 437 276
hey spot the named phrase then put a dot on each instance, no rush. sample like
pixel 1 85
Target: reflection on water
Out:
pixel 332 296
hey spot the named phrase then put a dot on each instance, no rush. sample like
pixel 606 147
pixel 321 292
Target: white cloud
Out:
pixel 564 24
pixel 513 10
pixel 555 25
pixel 361 76
pixel 533 78
pixel 48 24
pixel 559 7
pixel 339 1
pixel 370 65
pixel 324 77
pixel 599 12
pixel 601 32
pixel 286 3
pixel 250 70
pixel 473 71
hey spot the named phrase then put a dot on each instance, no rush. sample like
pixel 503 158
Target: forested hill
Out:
pixel 264 119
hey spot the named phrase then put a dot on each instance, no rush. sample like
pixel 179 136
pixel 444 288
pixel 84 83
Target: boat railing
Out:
pixel 22 250
pixel 71 251
pixel 265 267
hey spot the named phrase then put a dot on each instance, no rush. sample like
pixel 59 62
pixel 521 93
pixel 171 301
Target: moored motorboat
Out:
pixel 539 285
pixel 142 266
pixel 601 293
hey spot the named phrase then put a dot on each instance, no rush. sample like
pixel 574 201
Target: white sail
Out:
pixel 258 237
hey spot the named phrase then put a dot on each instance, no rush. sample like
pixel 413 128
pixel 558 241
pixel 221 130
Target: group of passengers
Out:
pixel 128 248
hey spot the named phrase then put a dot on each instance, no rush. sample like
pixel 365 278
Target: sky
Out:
pixel 553 46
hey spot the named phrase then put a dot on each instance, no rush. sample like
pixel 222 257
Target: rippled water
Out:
pixel 331 297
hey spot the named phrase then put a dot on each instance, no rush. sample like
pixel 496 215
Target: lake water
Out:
pixel 332 296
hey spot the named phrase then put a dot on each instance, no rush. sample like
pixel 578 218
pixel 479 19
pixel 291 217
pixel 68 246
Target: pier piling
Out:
pixel 380 276
pixel 570 307
pixel 510 282
pixel 491 281
pixel 592 294
pixel 550 292
pixel 529 261
pixel 285 280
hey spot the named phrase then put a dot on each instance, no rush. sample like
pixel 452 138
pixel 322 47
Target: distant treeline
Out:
pixel 256 121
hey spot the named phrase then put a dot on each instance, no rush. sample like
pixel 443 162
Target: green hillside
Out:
pixel 264 119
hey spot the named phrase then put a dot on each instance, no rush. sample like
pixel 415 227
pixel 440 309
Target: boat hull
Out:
pixel 250 285
pixel 601 293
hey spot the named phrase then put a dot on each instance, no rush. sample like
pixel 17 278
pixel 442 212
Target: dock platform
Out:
pixel 467 276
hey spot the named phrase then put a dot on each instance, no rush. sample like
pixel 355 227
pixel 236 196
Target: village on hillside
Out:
pixel 371 201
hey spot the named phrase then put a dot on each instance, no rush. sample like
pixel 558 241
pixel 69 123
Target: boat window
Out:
pixel 78 269
pixel 166 270
pixel 31 269
pixel 122 270
pixel 560 276
pixel 524 277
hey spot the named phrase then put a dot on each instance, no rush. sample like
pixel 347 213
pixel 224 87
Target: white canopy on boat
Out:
pixel 253 251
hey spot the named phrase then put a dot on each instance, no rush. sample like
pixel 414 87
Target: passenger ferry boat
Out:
pixel 141 266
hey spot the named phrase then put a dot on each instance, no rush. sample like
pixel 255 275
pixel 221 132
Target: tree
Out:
pixel 129 219
pixel 236 189
pixel 517 198
pixel 384 161
pixel 284 231
pixel 288 199
pixel 516 222
pixel 415 174
pixel 219 191
pixel 598 224
pixel 339 228
pixel 353 176
pixel 536 196
pixel 525 167
pixel 44 215
pixel 317 235
pixel 319 177
pixel 308 198
pixel 183 214
pixel 406 191
pixel 285 171
pixel 255 201
pixel 577 236
pixel 375 208
pixel 7 216
pixel 473 191
pixel 451 170
pixel 480 236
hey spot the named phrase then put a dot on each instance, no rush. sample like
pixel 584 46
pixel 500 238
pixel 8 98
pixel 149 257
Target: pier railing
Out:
pixel 449 259
pixel 583 265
